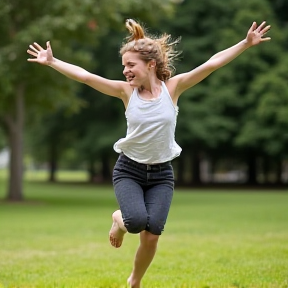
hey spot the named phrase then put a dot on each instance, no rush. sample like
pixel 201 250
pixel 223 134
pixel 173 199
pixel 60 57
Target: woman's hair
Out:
pixel 161 49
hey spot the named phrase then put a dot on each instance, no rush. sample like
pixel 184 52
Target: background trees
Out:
pixel 236 118
pixel 220 118
pixel 29 91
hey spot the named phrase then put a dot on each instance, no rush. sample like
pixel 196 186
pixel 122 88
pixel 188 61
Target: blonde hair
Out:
pixel 161 49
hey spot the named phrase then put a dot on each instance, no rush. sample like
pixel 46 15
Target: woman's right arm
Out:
pixel 114 88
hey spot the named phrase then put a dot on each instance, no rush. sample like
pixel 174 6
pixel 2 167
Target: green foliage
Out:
pixel 22 25
pixel 2 140
pixel 100 121
pixel 220 111
pixel 73 27
pixel 266 126
pixel 242 106
pixel 67 24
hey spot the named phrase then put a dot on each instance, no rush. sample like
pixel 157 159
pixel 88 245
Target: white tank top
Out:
pixel 150 137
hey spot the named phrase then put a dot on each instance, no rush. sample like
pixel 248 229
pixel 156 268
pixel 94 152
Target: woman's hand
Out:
pixel 255 34
pixel 42 56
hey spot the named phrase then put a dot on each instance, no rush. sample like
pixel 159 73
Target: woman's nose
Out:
pixel 126 70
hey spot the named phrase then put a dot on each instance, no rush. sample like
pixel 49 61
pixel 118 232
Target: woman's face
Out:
pixel 135 69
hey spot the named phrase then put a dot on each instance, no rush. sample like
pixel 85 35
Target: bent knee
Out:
pixel 155 226
pixel 136 223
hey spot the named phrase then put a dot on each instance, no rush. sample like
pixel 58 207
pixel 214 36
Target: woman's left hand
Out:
pixel 255 34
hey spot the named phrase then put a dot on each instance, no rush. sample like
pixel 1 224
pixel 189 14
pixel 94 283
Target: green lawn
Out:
pixel 58 238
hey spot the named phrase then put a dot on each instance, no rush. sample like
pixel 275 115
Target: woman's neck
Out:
pixel 152 92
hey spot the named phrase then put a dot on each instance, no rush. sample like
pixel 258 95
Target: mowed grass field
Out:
pixel 58 238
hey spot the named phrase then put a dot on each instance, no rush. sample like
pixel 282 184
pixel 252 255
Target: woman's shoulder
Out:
pixel 126 93
pixel 171 85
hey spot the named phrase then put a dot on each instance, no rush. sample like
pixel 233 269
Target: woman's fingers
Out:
pixel 263 31
pixel 38 52
pixel 33 48
pixel 252 28
pixel 36 45
pixel 32 53
pixel 32 60
pixel 259 28
pixel 265 39
pixel 266 29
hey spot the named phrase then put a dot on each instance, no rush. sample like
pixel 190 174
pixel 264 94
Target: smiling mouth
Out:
pixel 129 78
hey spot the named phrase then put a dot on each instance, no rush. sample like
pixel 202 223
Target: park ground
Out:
pixel 58 238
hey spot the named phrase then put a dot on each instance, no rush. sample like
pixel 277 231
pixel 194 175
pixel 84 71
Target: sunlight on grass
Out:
pixel 3 176
pixel 58 238
pixel 43 175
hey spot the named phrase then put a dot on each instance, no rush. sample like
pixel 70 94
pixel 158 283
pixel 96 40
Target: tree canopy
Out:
pixel 27 90
pixel 238 112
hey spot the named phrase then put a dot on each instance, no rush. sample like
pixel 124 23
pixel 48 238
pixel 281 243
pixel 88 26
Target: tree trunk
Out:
pixel 278 171
pixel 266 170
pixel 52 161
pixel 196 171
pixel 252 169
pixel 106 173
pixel 180 164
pixel 91 170
pixel 15 134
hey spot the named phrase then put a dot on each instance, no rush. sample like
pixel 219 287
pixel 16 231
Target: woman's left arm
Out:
pixel 184 81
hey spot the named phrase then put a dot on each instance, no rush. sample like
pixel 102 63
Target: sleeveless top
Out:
pixel 151 124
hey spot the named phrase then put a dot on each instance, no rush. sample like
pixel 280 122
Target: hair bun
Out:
pixel 130 21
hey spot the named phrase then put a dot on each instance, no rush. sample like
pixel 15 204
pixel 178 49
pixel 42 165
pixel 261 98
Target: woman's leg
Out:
pixel 143 257
pixel 144 197
pixel 158 200
pixel 132 216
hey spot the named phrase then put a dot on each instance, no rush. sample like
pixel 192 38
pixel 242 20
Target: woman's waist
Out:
pixel 143 165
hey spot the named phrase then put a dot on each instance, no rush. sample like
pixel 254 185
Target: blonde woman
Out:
pixel 143 175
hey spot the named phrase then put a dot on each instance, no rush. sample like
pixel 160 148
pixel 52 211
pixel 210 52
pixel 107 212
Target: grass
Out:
pixel 58 238
pixel 42 175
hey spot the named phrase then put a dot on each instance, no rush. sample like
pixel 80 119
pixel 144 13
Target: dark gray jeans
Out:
pixel 144 194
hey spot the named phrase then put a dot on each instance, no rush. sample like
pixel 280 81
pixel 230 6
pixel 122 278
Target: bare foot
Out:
pixel 131 284
pixel 129 281
pixel 117 230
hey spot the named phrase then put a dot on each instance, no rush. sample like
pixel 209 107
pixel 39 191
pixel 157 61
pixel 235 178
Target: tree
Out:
pixel 22 86
pixel 25 86
pixel 49 138
pixel 213 113
pixel 265 127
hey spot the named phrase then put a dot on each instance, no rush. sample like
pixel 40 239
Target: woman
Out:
pixel 143 176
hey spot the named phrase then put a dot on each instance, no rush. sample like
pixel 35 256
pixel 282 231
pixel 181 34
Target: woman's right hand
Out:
pixel 42 56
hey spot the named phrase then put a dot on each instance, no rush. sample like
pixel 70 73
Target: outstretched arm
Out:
pixel 43 56
pixel 185 81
